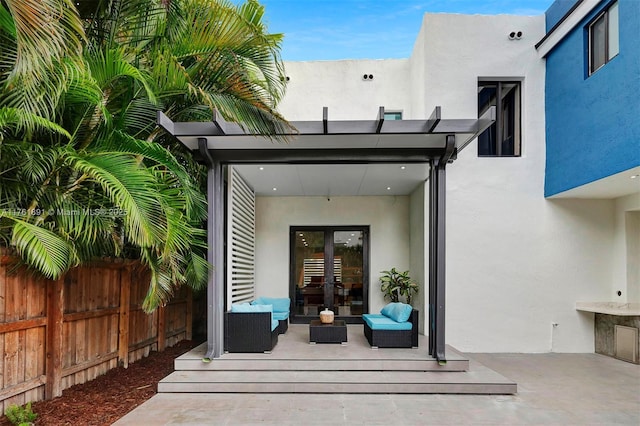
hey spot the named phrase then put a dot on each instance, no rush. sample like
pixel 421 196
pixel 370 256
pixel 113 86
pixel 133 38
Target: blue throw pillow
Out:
pixel 397 311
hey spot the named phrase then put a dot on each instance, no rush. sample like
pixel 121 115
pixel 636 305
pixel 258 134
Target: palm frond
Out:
pixel 41 248
pixel 129 187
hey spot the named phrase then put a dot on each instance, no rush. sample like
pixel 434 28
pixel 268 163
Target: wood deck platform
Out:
pixel 295 366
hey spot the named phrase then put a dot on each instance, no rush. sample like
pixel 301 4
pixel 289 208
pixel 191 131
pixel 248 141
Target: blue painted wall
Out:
pixel 593 122
pixel 556 11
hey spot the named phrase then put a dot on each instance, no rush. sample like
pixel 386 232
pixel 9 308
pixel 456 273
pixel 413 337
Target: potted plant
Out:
pixel 397 284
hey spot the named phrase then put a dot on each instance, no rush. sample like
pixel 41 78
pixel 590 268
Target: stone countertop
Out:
pixel 610 308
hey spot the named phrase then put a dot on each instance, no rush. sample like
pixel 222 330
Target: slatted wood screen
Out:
pixel 241 231
pixel 55 334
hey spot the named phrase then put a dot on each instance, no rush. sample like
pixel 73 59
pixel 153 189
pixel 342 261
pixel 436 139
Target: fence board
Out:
pixel 54 334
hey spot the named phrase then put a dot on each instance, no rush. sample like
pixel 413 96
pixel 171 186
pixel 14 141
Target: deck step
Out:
pixel 263 362
pixel 479 381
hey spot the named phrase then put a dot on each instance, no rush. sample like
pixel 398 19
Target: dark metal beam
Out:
pixel 437 251
pixel 433 204
pixel 219 122
pixel 328 156
pixel 439 301
pixel 218 264
pixel 215 252
pixel 380 119
pixel 449 149
pixel 325 120
pixel 434 119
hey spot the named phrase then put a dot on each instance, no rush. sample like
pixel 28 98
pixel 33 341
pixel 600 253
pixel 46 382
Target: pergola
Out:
pixel 435 141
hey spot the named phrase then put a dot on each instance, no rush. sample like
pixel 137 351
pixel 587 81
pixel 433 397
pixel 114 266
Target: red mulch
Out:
pixel 109 397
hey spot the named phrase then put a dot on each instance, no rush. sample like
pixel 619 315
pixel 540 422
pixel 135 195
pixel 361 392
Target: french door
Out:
pixel 329 268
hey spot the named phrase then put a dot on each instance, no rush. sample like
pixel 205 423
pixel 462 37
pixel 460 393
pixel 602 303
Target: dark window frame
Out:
pixel 492 142
pixel 328 251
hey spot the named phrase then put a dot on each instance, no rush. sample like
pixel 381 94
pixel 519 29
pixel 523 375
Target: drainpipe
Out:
pixel 215 224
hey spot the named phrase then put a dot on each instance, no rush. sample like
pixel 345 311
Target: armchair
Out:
pixel 250 329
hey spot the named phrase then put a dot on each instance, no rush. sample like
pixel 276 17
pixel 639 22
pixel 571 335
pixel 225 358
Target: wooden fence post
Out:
pixel 123 317
pixel 189 315
pixel 162 332
pixel 55 316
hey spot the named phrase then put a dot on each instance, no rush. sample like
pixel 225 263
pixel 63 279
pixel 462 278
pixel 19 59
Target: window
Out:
pixel 391 115
pixel 502 138
pixel 604 39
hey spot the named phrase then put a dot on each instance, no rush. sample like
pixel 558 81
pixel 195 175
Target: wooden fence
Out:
pixel 55 334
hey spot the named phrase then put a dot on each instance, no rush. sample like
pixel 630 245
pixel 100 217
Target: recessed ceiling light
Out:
pixel 635 176
pixel 301 234
pixel 353 235
pixel 403 167
pixel 275 189
pixel 388 188
pixel 261 168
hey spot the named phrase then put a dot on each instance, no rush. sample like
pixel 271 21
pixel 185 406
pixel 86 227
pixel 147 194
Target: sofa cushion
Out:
pixel 245 307
pixel 280 304
pixel 281 315
pixel 274 323
pixel 397 311
pixel 381 322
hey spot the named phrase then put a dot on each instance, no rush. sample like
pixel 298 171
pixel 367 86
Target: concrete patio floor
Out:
pixel 553 389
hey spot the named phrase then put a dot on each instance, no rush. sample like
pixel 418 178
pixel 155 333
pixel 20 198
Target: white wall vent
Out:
pixel 241 235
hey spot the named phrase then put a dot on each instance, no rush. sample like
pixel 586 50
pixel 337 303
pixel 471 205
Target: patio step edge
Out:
pixel 320 365
pixel 481 382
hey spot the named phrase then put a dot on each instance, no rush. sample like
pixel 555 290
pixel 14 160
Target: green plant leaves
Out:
pixel 397 284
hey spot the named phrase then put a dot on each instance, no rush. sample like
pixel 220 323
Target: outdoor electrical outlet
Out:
pixel 554 324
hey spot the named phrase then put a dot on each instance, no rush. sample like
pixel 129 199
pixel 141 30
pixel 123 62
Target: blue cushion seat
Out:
pixel 280 316
pixel 280 304
pixel 382 322
pixel 245 307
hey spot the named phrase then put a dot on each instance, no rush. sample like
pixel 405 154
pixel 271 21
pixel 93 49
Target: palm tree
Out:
pixel 84 170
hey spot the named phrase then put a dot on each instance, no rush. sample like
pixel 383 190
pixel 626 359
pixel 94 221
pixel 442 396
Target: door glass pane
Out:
pixel 348 267
pixel 597 43
pixel 309 272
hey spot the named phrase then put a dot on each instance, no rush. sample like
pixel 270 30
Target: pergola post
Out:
pixel 437 263
pixel 215 254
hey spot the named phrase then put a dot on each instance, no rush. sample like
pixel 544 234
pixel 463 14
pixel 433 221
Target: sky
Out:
pixel 369 29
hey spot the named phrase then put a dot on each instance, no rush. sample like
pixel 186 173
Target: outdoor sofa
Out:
pixel 250 328
pixel 396 326
pixel 281 308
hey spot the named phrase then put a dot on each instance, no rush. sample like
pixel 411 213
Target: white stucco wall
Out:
pixel 339 86
pixel 387 217
pixel 626 268
pixel 516 262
